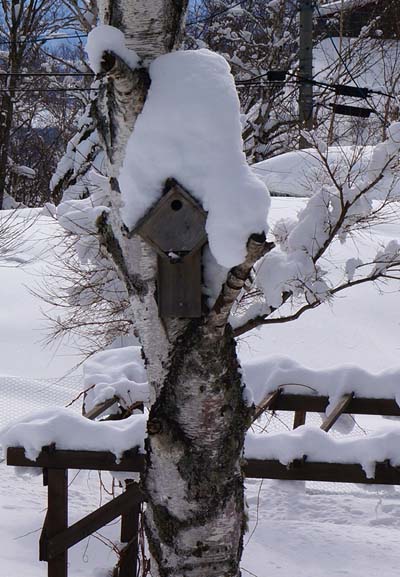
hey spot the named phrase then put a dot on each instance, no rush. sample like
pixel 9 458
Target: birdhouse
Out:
pixel 175 228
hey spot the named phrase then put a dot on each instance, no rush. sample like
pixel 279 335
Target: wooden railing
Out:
pixel 57 537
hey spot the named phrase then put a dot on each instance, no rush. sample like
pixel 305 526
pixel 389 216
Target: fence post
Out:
pixel 57 517
pixel 129 535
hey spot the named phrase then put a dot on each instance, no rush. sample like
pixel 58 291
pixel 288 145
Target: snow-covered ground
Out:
pixel 294 529
pixel 295 173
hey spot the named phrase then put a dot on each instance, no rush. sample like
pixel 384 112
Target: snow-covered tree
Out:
pixel 165 116
pixel 256 38
pixel 38 112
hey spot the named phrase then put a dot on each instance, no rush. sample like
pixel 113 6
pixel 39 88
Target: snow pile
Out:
pixel 116 373
pixel 321 447
pixel 70 431
pixel 106 38
pixel 265 376
pixel 303 172
pixel 190 130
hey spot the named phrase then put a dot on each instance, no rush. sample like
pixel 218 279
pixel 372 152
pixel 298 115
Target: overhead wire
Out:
pixel 353 79
pixel 239 83
pixel 310 81
pixel 45 39
pixel 24 74
pixel 84 35
pixel 71 89
pixel 250 81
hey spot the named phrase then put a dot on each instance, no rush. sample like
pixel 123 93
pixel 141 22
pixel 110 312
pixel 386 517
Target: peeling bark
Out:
pixel 121 99
pixel 257 247
pixel 195 516
pixel 151 28
pixel 195 519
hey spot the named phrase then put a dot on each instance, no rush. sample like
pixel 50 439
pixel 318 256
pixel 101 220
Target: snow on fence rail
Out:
pixel 20 396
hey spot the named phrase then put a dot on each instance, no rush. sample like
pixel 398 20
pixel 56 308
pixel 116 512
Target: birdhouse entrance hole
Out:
pixel 176 204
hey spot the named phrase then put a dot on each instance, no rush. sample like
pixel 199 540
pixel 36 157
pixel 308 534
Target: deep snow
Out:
pixel 320 531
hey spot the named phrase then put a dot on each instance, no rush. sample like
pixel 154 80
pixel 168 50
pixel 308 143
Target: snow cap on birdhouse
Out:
pixel 175 225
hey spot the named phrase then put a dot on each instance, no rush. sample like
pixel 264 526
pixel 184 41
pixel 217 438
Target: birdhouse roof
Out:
pixel 176 223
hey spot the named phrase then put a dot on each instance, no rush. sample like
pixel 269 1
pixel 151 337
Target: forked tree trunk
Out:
pixel 195 515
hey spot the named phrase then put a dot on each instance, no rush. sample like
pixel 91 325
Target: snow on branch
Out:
pixel 106 38
pixel 299 270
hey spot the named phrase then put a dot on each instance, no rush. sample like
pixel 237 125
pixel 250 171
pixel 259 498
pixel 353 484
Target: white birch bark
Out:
pixel 195 513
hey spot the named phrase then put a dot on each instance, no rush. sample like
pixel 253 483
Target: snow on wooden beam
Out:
pixel 88 460
pixel 304 470
pixel 300 470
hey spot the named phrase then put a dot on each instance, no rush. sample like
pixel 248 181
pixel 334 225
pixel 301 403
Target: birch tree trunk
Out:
pixel 195 514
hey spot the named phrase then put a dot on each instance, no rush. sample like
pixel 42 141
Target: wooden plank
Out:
pixel 336 412
pixel 129 534
pixel 99 409
pixel 299 418
pixel 266 404
pixel 87 460
pixel 318 404
pixel 316 471
pixel 57 519
pixel 94 521
pixel 254 468
pixel 179 287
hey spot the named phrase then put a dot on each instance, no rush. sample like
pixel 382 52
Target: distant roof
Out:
pixel 328 8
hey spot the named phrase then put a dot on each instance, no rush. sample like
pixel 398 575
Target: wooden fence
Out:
pixel 57 537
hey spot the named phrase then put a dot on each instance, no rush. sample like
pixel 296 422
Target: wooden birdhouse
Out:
pixel 175 228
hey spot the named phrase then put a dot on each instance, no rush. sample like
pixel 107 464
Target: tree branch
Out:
pixel 257 247
pixel 264 320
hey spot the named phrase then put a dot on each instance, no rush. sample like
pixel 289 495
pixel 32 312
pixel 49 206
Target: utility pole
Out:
pixel 305 71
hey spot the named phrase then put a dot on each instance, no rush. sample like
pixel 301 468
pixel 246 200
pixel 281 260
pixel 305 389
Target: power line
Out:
pixel 350 73
pixel 334 87
pixel 44 74
pixel 263 84
pixel 255 81
pixel 44 39
pixel 84 35
pixel 71 89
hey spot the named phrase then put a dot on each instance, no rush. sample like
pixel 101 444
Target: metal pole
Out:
pixel 305 71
